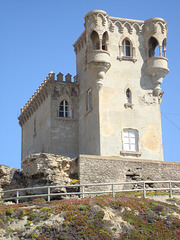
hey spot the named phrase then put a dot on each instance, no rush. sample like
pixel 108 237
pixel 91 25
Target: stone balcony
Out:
pixel 157 68
pixel 98 56
pixel 156 65
pixel 98 62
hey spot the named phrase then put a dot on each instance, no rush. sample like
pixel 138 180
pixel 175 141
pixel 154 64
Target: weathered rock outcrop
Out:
pixel 6 174
pixel 49 169
pixel 39 170
pixel 10 178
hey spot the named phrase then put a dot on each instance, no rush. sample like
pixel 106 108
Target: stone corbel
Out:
pixel 98 62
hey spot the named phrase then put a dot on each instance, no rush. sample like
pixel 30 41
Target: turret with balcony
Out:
pixel 156 62
pixel 98 57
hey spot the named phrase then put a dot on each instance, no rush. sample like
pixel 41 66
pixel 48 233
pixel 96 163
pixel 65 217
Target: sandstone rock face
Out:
pixel 39 170
pixel 5 176
pixel 49 169
pixel 10 178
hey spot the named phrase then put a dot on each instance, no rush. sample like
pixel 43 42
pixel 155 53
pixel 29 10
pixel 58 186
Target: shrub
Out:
pixel 38 200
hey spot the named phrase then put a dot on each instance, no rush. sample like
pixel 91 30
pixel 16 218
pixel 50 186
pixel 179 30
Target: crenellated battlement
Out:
pixel 43 91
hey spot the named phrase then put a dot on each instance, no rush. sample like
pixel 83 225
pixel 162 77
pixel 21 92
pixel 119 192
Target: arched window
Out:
pixel 95 40
pixel 64 109
pixel 127 48
pixel 152 44
pixel 130 140
pixel 128 96
pixel 105 41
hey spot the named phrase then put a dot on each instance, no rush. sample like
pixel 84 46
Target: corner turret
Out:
pixel 97 38
pixel 156 62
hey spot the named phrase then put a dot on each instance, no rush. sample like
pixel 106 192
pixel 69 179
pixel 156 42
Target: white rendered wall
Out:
pixel 144 116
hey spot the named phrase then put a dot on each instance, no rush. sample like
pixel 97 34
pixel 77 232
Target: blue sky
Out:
pixel 37 37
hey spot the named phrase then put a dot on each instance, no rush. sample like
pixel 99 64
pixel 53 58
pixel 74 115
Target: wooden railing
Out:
pixel 113 188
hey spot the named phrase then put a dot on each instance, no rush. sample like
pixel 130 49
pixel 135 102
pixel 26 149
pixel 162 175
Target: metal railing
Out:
pixel 18 193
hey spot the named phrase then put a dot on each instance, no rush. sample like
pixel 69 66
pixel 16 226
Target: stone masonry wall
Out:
pixel 49 169
pixel 98 169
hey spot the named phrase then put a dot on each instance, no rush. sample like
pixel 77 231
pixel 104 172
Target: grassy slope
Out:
pixel 102 217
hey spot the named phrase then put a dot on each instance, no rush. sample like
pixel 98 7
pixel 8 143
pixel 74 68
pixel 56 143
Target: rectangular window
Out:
pixel 89 100
pixel 130 140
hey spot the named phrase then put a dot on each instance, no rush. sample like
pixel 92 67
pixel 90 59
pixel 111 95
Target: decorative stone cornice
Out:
pixel 36 100
pixel 122 23
pixel 99 18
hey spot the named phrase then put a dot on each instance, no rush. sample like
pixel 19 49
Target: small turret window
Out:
pixel 64 109
pixel 127 48
pixel 153 43
pixel 128 96
pixel 105 41
pixel 128 102
pixel 95 40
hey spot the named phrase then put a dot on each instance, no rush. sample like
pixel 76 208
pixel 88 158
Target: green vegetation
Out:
pixel 87 219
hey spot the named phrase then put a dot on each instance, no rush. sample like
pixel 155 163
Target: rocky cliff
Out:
pixel 39 170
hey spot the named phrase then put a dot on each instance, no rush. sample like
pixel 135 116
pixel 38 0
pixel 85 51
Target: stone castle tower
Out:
pixel 112 107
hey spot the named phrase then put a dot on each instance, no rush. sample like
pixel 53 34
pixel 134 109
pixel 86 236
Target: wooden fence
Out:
pixel 81 190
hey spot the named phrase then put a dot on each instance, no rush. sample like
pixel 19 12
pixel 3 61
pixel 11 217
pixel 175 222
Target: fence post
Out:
pixel 49 197
pixel 170 189
pixel 113 193
pixel 144 190
pixel 82 191
pixel 17 196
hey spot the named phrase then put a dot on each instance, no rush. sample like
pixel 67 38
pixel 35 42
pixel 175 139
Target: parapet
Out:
pixel 97 36
pixel 100 21
pixel 44 90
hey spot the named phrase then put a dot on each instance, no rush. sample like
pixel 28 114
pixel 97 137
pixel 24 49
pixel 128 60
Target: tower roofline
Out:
pixel 40 95
pixel 155 19
pixel 95 11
